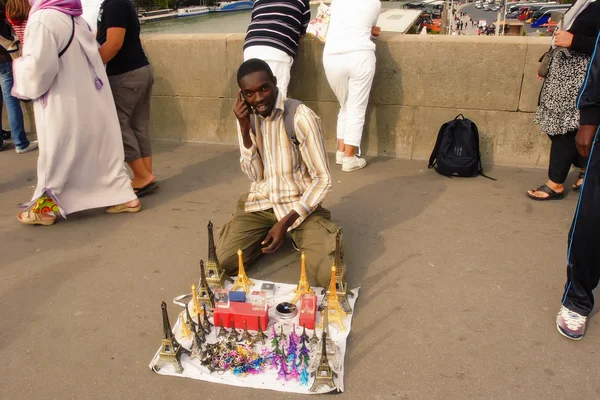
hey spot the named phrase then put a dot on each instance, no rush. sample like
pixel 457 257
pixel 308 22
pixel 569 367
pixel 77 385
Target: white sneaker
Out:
pixel 353 163
pixel 32 146
pixel 339 157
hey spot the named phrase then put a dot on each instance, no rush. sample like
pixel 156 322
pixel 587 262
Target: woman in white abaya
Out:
pixel 81 159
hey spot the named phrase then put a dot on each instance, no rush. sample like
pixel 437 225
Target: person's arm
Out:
pixel 114 42
pixel 250 160
pixel 116 16
pixel 35 71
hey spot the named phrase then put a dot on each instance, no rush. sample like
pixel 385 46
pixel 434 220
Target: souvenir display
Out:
pixel 238 351
pixel 341 287
pixel 242 280
pixel 215 275
pixel 303 286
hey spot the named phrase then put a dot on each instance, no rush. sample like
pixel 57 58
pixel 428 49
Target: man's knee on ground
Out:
pixel 228 262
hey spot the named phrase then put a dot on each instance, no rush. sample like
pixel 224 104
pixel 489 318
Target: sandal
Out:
pixel 149 188
pixel 552 195
pixel 577 187
pixel 122 208
pixel 31 218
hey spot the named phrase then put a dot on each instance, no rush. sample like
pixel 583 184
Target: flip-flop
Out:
pixel 552 195
pixel 577 187
pixel 122 208
pixel 149 188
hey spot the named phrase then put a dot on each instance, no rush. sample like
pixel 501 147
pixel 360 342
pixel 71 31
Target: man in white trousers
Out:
pixel 274 33
pixel 349 60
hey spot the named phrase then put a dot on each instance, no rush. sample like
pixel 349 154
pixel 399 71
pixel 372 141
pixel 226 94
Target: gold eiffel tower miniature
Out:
pixel 303 286
pixel 334 310
pixel 341 287
pixel 189 320
pixel 205 295
pixel 195 303
pixel 215 275
pixel 323 374
pixel 242 280
pixel 170 350
pixel 185 331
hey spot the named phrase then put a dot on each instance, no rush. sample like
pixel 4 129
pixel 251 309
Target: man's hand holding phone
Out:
pixel 242 112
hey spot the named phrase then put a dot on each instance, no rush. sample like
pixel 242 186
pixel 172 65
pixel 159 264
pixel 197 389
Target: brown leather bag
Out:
pixel 544 61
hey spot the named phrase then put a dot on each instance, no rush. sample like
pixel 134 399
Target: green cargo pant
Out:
pixel 315 237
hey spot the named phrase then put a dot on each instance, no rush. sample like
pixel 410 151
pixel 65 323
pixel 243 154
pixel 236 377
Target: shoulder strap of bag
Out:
pixel 289 113
pixel 70 39
pixel 436 148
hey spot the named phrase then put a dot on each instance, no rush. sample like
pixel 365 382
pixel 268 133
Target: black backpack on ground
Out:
pixel 456 151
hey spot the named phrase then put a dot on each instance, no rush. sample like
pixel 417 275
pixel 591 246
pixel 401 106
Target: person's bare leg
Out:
pixel 148 163
pixel 350 151
pixel 141 175
pixel 340 145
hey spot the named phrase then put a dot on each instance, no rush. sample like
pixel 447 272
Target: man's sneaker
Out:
pixel 32 146
pixel 353 163
pixel 339 157
pixel 3 144
pixel 570 324
pixel 5 134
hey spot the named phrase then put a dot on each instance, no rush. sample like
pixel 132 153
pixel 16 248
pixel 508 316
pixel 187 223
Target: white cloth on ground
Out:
pixel 350 77
pixel 350 26
pixel 81 157
pixel 279 62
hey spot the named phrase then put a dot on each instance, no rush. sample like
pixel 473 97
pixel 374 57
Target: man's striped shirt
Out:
pixel 278 24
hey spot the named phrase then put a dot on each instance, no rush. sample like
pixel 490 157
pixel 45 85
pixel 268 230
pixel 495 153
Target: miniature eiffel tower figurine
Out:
pixel 323 374
pixel 222 331
pixel 215 275
pixel 189 320
pixel 205 295
pixel 233 333
pixel 334 309
pixel 242 280
pixel 246 336
pixel 200 331
pixel 207 323
pixel 197 347
pixel 195 302
pixel 185 333
pixel 170 350
pixel 304 337
pixel 260 335
pixel 341 287
pixel 303 286
pixel 314 339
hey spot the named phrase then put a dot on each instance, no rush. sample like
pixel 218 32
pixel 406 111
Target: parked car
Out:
pixel 478 6
pixel 486 7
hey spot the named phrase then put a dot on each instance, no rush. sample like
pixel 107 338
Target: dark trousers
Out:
pixel 583 269
pixel 563 153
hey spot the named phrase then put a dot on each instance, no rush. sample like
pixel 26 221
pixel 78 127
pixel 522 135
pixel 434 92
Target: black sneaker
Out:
pixel 3 144
pixel 5 134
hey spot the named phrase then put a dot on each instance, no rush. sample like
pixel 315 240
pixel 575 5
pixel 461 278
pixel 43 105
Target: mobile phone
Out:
pixel 250 109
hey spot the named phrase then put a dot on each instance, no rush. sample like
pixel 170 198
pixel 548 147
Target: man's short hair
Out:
pixel 254 65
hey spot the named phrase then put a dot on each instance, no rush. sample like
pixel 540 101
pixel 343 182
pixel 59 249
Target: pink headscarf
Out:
pixel 69 7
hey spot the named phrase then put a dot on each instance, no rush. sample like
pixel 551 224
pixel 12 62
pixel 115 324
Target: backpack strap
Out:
pixel 70 39
pixel 436 148
pixel 479 166
pixel 289 113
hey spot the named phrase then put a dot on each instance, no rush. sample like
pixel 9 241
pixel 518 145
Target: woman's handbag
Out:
pixel 544 61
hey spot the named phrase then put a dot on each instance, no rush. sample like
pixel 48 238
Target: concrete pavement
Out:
pixel 460 282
